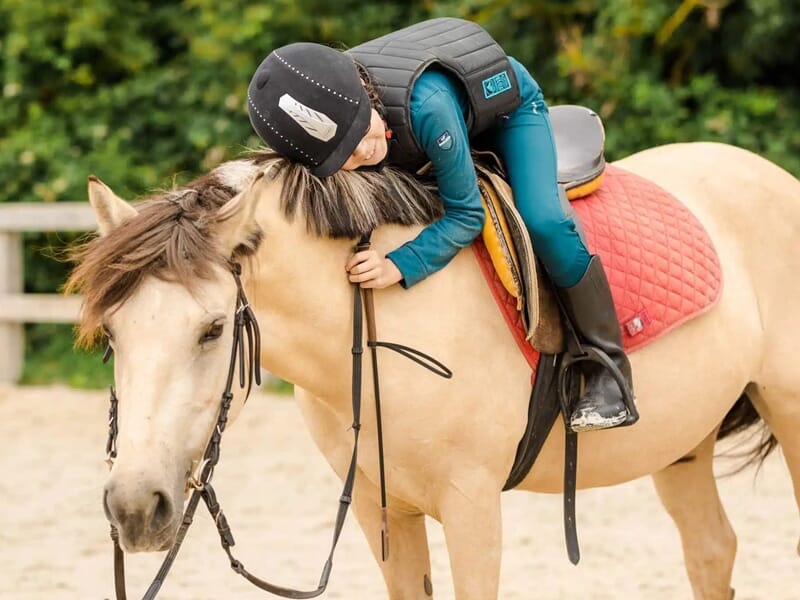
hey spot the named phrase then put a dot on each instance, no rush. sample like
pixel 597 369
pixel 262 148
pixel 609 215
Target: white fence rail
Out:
pixel 16 307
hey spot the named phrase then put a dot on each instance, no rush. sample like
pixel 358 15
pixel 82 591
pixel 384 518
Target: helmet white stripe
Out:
pixel 315 123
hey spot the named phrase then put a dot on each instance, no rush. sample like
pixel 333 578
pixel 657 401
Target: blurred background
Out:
pixel 149 94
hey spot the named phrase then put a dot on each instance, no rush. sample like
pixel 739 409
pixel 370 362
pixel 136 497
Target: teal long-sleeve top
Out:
pixel 438 109
pixel 523 139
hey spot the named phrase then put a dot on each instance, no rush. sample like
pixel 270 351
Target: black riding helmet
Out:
pixel 307 102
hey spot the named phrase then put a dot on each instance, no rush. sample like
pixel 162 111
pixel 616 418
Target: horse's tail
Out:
pixel 740 417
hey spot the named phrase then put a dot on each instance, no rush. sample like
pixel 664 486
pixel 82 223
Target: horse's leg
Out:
pixel 780 409
pixel 408 568
pixel 688 491
pixel 473 532
pixel 407 572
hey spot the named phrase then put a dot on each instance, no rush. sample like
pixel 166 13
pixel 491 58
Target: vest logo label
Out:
pixel 496 84
pixel 445 141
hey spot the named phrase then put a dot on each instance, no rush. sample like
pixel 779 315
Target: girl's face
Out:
pixel 372 148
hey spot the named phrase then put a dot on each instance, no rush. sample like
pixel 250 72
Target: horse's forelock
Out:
pixel 171 237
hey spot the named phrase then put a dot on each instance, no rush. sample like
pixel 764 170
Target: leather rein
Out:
pixel 247 340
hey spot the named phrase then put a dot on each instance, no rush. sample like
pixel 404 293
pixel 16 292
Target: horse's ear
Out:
pixel 237 225
pixel 110 210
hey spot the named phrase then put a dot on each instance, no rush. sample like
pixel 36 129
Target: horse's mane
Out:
pixel 349 204
pixel 173 235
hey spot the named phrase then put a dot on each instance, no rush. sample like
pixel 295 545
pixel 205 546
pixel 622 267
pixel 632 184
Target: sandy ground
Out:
pixel 280 497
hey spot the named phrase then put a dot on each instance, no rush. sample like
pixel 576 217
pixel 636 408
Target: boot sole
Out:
pixel 594 422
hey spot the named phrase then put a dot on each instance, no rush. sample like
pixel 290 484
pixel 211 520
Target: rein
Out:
pixel 246 326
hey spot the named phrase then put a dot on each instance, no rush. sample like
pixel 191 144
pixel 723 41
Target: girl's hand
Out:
pixel 371 270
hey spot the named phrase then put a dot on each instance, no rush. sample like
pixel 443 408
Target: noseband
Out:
pixel 247 341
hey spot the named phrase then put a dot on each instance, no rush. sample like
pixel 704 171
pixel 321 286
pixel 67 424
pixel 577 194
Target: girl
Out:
pixel 442 83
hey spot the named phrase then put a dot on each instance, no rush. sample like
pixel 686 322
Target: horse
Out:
pixel 157 284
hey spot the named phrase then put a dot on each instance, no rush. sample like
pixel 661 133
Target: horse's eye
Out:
pixel 212 333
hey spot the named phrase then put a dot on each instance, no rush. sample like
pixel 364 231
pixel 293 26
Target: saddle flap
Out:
pixel 507 239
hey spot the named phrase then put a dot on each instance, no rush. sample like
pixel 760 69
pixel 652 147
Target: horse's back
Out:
pixel 751 209
pixel 749 205
pixel 723 175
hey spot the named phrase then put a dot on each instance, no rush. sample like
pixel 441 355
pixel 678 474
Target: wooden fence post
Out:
pixel 17 308
pixel 12 339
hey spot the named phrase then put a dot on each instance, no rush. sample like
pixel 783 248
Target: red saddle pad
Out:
pixel 660 262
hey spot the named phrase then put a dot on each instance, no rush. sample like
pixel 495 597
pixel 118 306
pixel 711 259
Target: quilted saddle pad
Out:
pixel 660 262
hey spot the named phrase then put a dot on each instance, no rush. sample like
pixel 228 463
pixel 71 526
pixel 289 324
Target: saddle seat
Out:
pixel 580 141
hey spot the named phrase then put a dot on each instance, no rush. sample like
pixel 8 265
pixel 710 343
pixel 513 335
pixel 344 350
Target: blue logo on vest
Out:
pixel 445 141
pixel 496 84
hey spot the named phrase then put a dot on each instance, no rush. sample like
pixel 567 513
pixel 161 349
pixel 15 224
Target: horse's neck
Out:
pixel 298 287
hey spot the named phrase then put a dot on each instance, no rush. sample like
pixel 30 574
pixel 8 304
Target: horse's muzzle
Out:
pixel 146 520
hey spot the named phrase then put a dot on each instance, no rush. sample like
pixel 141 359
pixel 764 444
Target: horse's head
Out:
pixel 158 283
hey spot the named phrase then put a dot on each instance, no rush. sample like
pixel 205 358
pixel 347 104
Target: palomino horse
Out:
pixel 158 282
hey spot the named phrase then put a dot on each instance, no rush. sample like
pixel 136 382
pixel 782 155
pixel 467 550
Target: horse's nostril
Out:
pixel 162 512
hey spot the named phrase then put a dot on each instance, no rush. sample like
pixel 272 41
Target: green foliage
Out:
pixel 661 72
pixel 54 359
pixel 148 94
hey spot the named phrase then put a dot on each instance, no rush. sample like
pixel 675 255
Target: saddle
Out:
pixel 661 264
pixel 580 140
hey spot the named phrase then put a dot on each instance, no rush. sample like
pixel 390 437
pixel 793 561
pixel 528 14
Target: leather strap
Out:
pixel 420 358
pixel 226 538
pixel 543 409
pixel 372 344
pixel 570 483
pixel 359 309
pixel 569 389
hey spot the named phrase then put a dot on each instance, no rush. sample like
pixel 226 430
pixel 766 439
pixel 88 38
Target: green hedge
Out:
pixel 148 94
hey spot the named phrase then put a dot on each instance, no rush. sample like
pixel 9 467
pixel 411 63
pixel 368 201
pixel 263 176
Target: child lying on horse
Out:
pixel 441 84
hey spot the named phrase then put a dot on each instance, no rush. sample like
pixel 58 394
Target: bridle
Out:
pixel 246 338
pixel 247 341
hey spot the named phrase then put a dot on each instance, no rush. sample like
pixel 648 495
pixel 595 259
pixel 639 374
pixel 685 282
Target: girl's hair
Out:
pixel 372 89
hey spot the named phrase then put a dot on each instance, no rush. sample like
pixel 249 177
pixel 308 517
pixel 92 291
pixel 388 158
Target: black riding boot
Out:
pixel 591 308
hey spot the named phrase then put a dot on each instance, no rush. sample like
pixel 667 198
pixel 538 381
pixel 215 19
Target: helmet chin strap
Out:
pixel 381 110
pixel 389 140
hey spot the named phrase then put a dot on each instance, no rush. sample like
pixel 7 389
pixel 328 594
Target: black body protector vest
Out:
pixel 462 48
